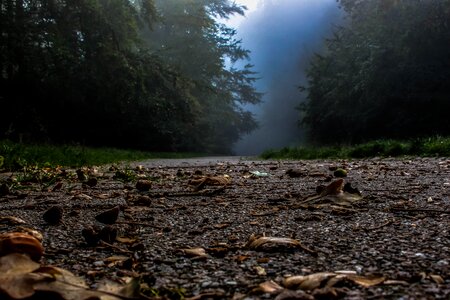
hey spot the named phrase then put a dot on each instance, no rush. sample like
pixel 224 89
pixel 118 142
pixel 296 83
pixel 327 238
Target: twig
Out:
pixel 115 247
pixel 389 222
pixel 209 192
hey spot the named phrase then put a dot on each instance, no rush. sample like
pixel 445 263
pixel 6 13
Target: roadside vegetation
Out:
pixel 15 156
pixel 436 146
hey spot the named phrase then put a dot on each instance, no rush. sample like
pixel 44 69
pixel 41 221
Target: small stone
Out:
pixel 143 185
pixel 53 215
pixel 340 173
pixel 294 173
pixel 90 236
pixel 91 182
pixel 99 263
pixel 4 189
pixel 108 216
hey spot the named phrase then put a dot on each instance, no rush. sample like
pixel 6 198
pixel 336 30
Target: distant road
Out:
pixel 197 161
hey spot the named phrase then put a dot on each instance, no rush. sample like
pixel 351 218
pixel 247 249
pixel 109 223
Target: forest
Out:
pixel 140 74
pixel 159 75
pixel 384 74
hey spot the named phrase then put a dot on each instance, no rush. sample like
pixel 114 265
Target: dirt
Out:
pixel 398 231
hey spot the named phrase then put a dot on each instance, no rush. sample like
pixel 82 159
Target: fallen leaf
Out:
pixel 334 194
pixel 437 278
pixel 260 271
pixel 258 243
pixel 241 258
pixel 115 258
pixel 270 287
pixel 19 242
pixel 10 220
pixel 194 252
pixel 82 196
pixel 395 282
pixel 330 279
pixel 221 225
pixel 210 181
pixel 366 281
pixel 21 278
pixel 307 282
pixel 125 240
pixel 38 235
pixel 15 279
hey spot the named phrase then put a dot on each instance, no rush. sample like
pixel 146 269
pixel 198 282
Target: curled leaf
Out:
pixel 19 242
pixel 210 180
pixel 11 220
pixel 194 252
pixel 261 242
pixel 366 281
pixel 307 282
pixel 270 287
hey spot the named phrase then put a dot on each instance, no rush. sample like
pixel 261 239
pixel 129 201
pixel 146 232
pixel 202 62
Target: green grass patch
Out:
pixel 425 147
pixel 14 156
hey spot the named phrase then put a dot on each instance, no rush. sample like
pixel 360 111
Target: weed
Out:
pixel 434 146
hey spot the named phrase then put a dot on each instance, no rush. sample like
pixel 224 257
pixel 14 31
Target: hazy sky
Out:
pixel 251 5
pixel 282 35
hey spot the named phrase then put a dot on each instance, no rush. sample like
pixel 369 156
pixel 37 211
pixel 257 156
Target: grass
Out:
pixel 14 156
pixel 426 147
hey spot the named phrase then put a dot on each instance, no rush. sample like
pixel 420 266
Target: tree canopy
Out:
pixel 384 74
pixel 127 73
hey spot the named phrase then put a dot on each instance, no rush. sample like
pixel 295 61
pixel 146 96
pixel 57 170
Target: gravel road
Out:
pixel 189 232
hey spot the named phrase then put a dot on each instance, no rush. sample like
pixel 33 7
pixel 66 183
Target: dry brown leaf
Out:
pixel 241 258
pixel 82 196
pixel 210 180
pixel 258 243
pixel 366 281
pixel 19 242
pixel 307 282
pixel 22 278
pixel 333 188
pixel 33 232
pixel 333 193
pixel 194 252
pixel 125 240
pixel 270 287
pixel 395 282
pixel 221 225
pixel 15 278
pixel 10 220
pixel 16 263
pixel 329 280
pixel 129 290
pixel 115 258
pixel 437 278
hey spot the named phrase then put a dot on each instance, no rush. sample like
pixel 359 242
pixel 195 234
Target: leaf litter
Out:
pixel 404 254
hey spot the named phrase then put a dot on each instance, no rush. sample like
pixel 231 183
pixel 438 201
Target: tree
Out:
pixel 190 39
pixel 384 75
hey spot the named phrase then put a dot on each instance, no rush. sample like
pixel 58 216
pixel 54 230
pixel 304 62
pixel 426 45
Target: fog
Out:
pixel 282 35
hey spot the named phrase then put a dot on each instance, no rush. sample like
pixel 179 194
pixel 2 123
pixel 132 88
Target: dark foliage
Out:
pixel 80 71
pixel 386 74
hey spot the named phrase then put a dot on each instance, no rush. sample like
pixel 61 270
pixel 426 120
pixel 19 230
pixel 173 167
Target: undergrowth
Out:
pixel 14 156
pixel 425 147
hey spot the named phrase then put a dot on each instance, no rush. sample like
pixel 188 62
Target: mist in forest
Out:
pixel 282 36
